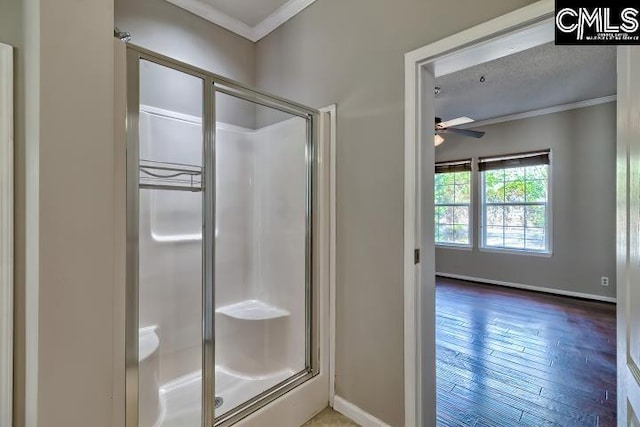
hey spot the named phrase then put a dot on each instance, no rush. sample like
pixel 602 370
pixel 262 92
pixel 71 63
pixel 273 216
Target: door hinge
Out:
pixel 416 256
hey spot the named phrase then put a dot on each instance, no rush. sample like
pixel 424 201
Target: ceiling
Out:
pixel 251 19
pixel 251 12
pixel 541 77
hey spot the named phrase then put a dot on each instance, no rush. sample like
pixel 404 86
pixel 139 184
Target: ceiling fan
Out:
pixel 442 128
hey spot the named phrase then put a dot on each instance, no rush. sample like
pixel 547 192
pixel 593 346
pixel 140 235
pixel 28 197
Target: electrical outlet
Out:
pixel 604 281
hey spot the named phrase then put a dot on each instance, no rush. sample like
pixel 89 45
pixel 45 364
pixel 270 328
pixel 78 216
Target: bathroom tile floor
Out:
pixel 330 418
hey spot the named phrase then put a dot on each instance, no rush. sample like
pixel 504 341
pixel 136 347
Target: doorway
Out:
pixel 520 30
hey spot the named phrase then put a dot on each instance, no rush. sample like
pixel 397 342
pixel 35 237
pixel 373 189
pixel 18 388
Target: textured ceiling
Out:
pixel 541 77
pixel 251 12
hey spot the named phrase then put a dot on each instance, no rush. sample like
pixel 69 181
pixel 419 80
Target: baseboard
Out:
pixel 356 414
pixel 529 287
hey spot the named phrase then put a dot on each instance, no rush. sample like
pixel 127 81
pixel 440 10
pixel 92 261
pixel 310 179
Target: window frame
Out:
pixel 459 246
pixel 548 251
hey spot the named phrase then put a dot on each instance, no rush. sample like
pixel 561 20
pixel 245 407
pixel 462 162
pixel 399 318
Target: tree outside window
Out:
pixel 515 208
pixel 453 208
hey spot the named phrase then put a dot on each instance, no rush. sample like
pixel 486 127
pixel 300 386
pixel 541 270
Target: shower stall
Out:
pixel 222 300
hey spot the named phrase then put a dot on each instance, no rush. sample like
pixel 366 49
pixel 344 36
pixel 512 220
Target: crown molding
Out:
pixel 280 16
pixel 541 112
pixel 212 14
pixel 264 28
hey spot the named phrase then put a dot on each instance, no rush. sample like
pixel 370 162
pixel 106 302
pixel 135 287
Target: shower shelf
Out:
pixel 170 176
pixel 252 310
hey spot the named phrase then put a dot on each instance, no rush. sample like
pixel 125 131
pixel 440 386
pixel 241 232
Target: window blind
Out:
pixel 534 158
pixel 454 166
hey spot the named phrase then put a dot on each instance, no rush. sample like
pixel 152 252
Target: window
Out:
pixel 453 203
pixel 515 202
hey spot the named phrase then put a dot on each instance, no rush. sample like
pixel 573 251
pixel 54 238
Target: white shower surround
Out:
pixel 260 261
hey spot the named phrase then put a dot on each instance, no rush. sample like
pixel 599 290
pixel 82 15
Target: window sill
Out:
pixel 454 246
pixel 547 254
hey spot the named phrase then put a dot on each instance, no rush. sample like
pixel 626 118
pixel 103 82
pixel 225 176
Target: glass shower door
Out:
pixel 170 251
pixel 221 311
pixel 262 247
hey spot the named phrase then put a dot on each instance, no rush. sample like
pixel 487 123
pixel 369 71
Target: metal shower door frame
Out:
pixel 212 83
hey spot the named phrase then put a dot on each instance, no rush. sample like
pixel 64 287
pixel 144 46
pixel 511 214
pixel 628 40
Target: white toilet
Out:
pixel 150 414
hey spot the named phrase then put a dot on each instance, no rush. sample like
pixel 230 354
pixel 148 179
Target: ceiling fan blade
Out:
pixel 456 122
pixel 466 132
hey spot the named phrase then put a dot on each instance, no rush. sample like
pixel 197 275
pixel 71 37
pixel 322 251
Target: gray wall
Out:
pixel 583 173
pixel 167 29
pixel 64 226
pixel 351 52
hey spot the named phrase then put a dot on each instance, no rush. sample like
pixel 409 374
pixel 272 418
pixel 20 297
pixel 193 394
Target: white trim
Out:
pixel 120 225
pixel 416 306
pixel 509 44
pixel 467 248
pixel 256 33
pixel 411 367
pixel 494 29
pixel 332 110
pixel 6 234
pixel 509 251
pixel 529 287
pixel 542 111
pixel 357 414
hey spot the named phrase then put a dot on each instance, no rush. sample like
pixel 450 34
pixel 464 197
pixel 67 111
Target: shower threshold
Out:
pixel 181 397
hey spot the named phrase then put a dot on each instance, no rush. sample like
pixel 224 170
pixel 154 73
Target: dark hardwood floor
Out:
pixel 507 357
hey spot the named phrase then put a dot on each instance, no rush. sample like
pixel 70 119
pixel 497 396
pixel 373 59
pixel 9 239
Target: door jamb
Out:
pixel 332 110
pixel 6 234
pixel 419 297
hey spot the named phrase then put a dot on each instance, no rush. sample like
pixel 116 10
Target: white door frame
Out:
pixel 519 30
pixel 6 234
pixel 332 111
